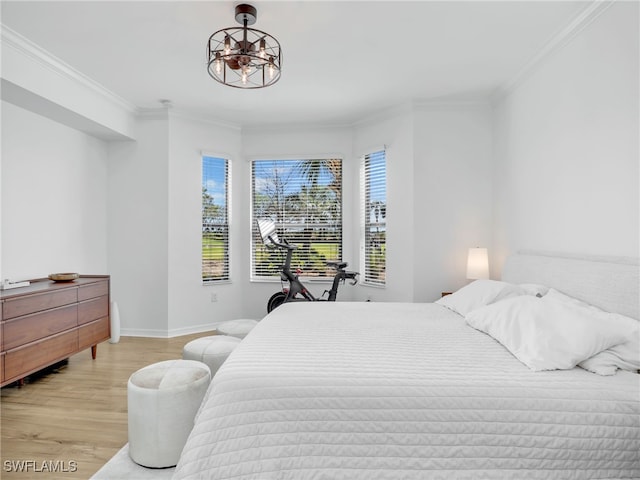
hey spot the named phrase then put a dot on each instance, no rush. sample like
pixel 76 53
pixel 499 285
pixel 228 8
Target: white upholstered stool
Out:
pixel 212 350
pixel 236 328
pixel 163 399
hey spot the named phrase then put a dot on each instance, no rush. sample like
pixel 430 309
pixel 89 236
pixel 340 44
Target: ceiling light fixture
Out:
pixel 244 57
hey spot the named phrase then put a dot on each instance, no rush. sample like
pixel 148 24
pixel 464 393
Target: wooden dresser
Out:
pixel 46 322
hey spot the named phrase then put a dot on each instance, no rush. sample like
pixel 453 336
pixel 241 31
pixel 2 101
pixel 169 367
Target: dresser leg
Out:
pixel 94 351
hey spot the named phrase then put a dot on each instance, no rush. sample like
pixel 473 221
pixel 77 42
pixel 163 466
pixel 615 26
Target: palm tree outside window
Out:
pixel 304 199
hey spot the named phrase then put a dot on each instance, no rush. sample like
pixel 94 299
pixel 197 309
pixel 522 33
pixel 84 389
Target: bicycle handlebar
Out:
pixel 352 276
pixel 284 245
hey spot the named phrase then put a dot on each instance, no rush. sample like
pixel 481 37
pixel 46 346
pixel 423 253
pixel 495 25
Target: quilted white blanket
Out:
pixel 404 391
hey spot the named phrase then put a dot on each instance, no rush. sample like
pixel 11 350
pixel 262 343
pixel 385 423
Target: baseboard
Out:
pixel 135 332
pixel 207 327
pixel 175 332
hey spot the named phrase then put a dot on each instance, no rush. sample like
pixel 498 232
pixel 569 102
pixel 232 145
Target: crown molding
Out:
pixel 36 53
pixel 453 104
pixel 558 41
pixel 404 108
pixel 158 113
pixel 168 112
pixel 210 120
pixel 293 127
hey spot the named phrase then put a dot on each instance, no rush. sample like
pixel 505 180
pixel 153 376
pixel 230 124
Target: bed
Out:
pixel 346 390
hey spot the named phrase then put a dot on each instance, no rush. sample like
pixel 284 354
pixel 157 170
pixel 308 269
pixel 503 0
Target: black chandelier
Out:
pixel 244 57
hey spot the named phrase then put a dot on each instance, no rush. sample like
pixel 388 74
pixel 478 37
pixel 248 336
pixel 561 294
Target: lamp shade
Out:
pixel 478 263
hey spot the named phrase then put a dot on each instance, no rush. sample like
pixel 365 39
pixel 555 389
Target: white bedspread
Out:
pixel 404 391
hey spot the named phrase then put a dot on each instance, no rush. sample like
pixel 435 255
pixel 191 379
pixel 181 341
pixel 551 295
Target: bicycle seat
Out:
pixel 337 264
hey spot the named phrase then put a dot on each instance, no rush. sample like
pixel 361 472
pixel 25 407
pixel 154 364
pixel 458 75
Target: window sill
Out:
pixel 311 280
pixel 211 283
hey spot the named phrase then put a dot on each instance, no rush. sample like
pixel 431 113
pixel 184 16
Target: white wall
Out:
pixel 566 160
pixel 54 198
pixel 190 305
pixel 452 201
pixel 138 228
pixel 395 131
pixel 439 195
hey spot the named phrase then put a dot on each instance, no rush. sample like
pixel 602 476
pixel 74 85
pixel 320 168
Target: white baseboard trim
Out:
pixel 176 332
pixel 135 332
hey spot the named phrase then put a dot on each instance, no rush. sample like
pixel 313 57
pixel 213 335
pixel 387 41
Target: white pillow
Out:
pixel 477 294
pixel 561 297
pixel 534 289
pixel 548 334
pixel 625 356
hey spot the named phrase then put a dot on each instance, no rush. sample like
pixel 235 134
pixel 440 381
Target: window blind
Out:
pixel 215 219
pixel 374 214
pixel 304 199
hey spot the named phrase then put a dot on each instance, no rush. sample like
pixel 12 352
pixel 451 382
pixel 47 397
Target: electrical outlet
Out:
pixel 214 297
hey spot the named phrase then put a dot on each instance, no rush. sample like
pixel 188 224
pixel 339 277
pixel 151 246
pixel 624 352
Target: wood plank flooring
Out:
pixel 73 419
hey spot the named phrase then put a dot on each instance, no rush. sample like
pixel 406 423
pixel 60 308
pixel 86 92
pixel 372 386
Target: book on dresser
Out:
pixel 46 322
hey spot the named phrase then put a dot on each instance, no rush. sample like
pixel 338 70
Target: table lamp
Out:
pixel 477 263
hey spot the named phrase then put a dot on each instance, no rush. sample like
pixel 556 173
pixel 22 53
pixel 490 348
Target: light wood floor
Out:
pixel 78 412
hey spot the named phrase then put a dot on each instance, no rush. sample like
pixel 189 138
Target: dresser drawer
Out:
pixel 29 328
pixel 93 309
pixel 93 290
pixel 2 367
pixel 93 333
pixel 33 356
pixel 16 307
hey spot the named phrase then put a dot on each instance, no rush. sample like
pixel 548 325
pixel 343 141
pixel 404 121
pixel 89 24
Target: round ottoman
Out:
pixel 236 328
pixel 163 399
pixel 212 350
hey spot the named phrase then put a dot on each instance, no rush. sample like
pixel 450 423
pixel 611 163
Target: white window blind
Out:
pixel 374 214
pixel 304 199
pixel 215 219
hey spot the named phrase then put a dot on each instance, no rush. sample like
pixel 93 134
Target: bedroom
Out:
pixel 551 164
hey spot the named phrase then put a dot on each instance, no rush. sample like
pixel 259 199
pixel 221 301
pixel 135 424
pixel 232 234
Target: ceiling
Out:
pixel 342 61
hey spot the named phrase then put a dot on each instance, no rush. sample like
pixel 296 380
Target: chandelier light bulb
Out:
pixel 218 63
pixel 271 68
pixel 227 45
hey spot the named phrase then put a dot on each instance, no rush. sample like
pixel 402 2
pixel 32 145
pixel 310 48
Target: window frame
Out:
pixel 226 277
pixel 365 215
pixel 255 240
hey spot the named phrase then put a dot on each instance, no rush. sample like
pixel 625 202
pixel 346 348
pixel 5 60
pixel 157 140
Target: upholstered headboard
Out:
pixel 611 283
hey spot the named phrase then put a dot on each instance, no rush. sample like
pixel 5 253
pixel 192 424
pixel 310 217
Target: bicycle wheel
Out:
pixel 276 300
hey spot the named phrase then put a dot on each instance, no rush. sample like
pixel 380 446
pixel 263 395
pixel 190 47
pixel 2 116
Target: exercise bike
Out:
pixel 296 291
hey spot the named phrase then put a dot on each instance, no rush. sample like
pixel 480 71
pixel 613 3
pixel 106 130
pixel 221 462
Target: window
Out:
pixel 304 199
pixel 374 214
pixel 215 219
